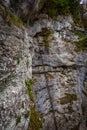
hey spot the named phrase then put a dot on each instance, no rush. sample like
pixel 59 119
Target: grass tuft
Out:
pixel 10 17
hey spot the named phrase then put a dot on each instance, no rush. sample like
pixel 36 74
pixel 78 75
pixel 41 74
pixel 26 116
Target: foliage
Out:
pixel 80 34
pixel 18 120
pixel 82 42
pixel 47 37
pixel 27 114
pixel 18 60
pixel 35 120
pixel 29 84
pixel 73 6
pixel 27 63
pixel 10 17
pixel 55 7
pixel 35 117
pixel 46 33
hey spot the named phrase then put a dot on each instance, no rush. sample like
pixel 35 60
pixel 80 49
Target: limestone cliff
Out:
pixel 59 71
pixel 43 73
pixel 15 69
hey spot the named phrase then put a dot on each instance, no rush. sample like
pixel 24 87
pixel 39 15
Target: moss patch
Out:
pixel 66 7
pixel 79 34
pixel 27 63
pixel 35 120
pixel 46 33
pixel 68 99
pixel 29 85
pixel 27 114
pixel 49 76
pixel 81 44
pixel 18 60
pixel 18 120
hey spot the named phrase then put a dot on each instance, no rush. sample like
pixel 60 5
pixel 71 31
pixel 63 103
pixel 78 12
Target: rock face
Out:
pixel 59 73
pixel 58 67
pixel 26 9
pixel 84 12
pixel 15 68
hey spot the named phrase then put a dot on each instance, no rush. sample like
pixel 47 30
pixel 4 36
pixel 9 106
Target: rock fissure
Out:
pixel 50 99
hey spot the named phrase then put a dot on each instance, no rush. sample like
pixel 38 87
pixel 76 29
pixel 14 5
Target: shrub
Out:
pixel 55 7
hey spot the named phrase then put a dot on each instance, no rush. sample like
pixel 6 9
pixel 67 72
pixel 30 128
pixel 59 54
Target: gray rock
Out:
pixel 59 72
pixel 14 99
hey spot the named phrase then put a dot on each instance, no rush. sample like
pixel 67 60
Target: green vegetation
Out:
pixel 18 120
pixel 27 114
pixel 55 7
pixel 35 117
pixel 1 9
pixel 75 11
pixel 46 33
pixel 82 43
pixel 68 98
pixel 27 63
pixel 35 120
pixel 29 85
pixel 18 60
pixel 47 41
pixel 10 17
pixel 80 34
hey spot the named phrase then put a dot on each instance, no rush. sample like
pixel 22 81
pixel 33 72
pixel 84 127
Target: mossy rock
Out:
pixel 10 17
pixel 49 76
pixel 81 44
pixel 29 84
pixel 18 120
pixel 35 120
pixel 80 34
pixel 46 33
pixel 27 114
pixel 68 98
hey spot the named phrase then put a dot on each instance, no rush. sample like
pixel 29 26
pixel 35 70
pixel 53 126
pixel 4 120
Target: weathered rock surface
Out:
pixel 14 70
pixel 84 12
pixel 59 73
pixel 26 9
